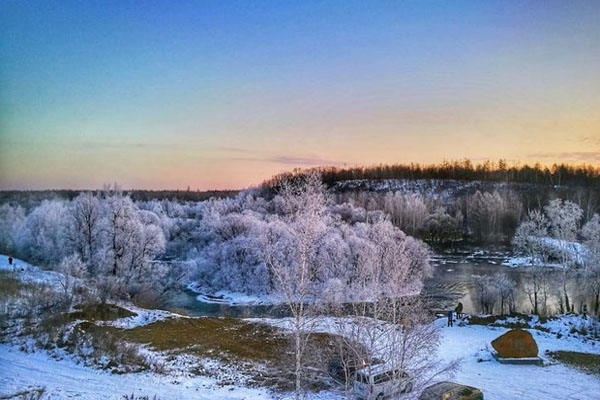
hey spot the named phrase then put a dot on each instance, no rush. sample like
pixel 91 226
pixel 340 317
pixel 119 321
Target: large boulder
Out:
pixel 516 343
pixel 451 391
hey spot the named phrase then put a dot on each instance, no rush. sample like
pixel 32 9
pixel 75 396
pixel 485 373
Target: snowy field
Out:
pixel 66 378
pixel 515 382
pixel 471 344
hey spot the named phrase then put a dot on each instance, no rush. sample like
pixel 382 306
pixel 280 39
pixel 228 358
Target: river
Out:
pixel 451 282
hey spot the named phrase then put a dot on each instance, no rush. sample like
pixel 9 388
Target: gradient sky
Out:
pixel 223 94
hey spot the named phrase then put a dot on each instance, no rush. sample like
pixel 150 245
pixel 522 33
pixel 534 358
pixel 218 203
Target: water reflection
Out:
pixel 451 282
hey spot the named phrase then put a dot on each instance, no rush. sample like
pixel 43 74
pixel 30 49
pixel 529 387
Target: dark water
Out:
pixel 188 301
pixel 451 282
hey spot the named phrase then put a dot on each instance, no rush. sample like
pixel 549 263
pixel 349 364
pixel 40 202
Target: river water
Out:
pixel 451 282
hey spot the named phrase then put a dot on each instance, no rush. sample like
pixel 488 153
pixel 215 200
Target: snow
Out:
pixel 471 343
pixel 577 254
pixel 232 298
pixel 66 379
pixel 28 273
pixel 237 299
pixel 143 317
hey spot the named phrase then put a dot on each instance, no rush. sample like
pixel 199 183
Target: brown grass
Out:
pixel 221 337
pixel 238 342
pixel 9 285
pixel 586 362
pixel 524 322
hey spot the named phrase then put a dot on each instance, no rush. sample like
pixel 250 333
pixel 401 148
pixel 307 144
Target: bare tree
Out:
pixel 84 230
pixel 289 249
pixel 591 234
pixel 505 288
pixel 528 241
pixel 564 217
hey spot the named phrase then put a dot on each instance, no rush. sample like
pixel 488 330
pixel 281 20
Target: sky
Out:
pixel 224 94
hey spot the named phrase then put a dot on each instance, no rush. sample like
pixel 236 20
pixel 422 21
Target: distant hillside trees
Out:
pixel 556 174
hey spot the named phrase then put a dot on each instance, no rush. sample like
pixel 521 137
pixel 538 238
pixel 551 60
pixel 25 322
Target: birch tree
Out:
pixel 289 245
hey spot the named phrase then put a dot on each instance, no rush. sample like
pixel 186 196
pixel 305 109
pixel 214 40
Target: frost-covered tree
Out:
pixel 564 218
pixel 42 235
pixel 84 229
pixel 72 272
pixel 406 211
pixel 441 226
pixel 591 235
pixel 289 248
pixel 494 216
pixel 11 220
pixel 528 240
pixel 486 292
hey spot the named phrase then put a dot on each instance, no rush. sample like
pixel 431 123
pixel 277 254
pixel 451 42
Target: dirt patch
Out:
pixel 589 363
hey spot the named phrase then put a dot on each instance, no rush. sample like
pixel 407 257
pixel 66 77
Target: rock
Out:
pixel 451 391
pixel 516 343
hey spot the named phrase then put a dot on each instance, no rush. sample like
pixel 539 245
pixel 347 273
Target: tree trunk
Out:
pixel 565 294
pixel 298 359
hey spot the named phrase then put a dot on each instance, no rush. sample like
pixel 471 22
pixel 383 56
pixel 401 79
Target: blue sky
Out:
pixel 217 94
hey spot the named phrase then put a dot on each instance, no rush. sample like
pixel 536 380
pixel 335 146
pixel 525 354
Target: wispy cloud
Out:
pixel 245 154
pixel 298 161
pixel 590 157
pixel 593 140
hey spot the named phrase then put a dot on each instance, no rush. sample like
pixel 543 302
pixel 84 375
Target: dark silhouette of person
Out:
pixel 585 311
pixel 458 309
pixel 450 321
pixel 10 261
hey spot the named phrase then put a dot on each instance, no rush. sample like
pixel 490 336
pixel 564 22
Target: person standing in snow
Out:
pixel 10 262
pixel 458 309
pixel 584 311
pixel 450 316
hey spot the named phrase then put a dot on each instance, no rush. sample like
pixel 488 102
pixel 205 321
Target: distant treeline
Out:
pixel 32 198
pixel 557 174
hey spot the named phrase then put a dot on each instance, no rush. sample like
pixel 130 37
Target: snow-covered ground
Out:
pixel 472 345
pixel 576 254
pixel 513 382
pixel 232 298
pixel 28 273
pixel 65 379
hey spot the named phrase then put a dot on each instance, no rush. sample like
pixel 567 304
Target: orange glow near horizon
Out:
pixel 226 95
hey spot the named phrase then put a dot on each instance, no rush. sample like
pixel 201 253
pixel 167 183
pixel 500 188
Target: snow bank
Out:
pixel 143 317
pixel 28 273
pixel 66 379
pixel 233 298
pixel 576 254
